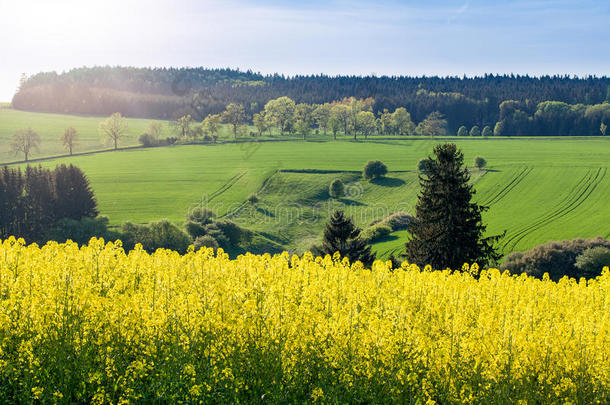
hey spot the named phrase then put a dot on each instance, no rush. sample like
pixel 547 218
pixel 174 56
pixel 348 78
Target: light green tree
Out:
pixel 69 139
pixel 603 128
pixel 114 128
pixel 321 115
pixel 25 141
pixel 462 131
pixel 475 131
pixel 366 123
pixel 487 131
pixel 211 125
pixel 235 114
pixel 280 112
pixel 434 124
pixel 402 121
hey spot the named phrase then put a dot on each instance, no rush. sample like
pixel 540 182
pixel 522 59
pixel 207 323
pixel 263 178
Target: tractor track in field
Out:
pixel 525 171
pixel 573 200
pixel 226 186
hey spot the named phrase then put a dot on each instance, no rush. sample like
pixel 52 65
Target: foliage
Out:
pixel 486 132
pixel 424 165
pixel 205 241
pixel 94 324
pixel 592 261
pixel 397 221
pixel 235 115
pixel 336 188
pixel 480 162
pixel 557 259
pixel 475 131
pixel 114 128
pixel 448 228
pixel 82 230
pixel 154 235
pixel 31 203
pixel 434 124
pixel 374 169
pixel 148 140
pixel 25 141
pixel 69 139
pixel 252 198
pixel 341 235
pixel 462 131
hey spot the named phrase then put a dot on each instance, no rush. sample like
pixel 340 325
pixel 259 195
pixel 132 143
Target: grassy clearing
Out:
pixel 538 189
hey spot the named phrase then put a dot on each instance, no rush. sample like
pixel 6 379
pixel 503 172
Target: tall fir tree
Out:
pixel 341 235
pixel 74 196
pixel 448 229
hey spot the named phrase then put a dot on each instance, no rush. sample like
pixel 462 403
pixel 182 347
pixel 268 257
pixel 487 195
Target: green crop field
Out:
pixel 537 189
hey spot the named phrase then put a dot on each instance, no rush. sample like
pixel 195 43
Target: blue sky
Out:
pixel 335 37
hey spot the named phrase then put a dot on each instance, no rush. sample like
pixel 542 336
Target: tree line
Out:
pixel 34 201
pixel 173 93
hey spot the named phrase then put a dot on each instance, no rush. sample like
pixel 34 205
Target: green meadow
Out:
pixel 537 189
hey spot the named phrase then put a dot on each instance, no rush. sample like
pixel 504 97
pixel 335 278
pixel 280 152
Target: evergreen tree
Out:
pixel 448 229
pixel 75 198
pixel 341 235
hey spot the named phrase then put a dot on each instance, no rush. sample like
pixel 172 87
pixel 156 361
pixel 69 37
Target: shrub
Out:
pixel 558 259
pixel 205 241
pixel 487 131
pixel 155 235
pixel 336 188
pixel 147 140
pixel 592 261
pixel 170 140
pixel 480 162
pixel 376 232
pixel 252 198
pixel 374 169
pixel 423 165
pixel 81 231
pixel 475 131
pixel 201 215
pixel 398 221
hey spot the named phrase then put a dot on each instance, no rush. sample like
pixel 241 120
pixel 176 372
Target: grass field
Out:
pixel 538 189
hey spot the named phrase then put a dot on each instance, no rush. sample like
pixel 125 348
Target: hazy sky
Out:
pixel 431 37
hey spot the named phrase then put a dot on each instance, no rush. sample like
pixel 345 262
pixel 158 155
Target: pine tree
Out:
pixel 341 235
pixel 448 228
pixel 74 196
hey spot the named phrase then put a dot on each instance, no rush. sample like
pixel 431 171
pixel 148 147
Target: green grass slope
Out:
pixel 538 189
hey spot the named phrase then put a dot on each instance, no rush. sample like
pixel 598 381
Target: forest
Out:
pixel 523 105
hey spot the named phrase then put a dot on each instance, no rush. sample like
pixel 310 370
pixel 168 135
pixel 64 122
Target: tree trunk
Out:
pixel 70 150
pixel 116 146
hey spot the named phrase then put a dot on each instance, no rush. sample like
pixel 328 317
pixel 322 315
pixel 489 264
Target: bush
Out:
pixel 376 232
pixel 374 169
pixel 81 231
pixel 147 140
pixel 155 235
pixel 558 259
pixel 423 165
pixel 487 131
pixel 475 131
pixel 480 162
pixel 170 140
pixel 398 221
pixel 252 198
pixel 205 241
pixel 592 261
pixel 201 215
pixel 336 188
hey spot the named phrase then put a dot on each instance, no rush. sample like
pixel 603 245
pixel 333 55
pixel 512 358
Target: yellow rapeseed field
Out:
pixel 94 324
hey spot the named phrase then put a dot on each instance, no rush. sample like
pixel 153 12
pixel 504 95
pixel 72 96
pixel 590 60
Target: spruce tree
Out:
pixel 448 228
pixel 74 197
pixel 341 235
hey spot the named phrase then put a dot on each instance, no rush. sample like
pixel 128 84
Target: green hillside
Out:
pixel 538 189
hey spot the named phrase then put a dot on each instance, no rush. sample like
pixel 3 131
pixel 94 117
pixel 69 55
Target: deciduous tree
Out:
pixel 114 128
pixel 69 138
pixel 25 141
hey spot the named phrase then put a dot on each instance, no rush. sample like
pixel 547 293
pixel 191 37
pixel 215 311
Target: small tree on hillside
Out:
pixel 374 169
pixel 480 162
pixel 448 228
pixel 341 235
pixel 487 131
pixel 603 128
pixel 25 141
pixel 462 131
pixel 592 261
pixel 336 189
pixel 183 126
pixel 69 138
pixel 235 114
pixel 114 128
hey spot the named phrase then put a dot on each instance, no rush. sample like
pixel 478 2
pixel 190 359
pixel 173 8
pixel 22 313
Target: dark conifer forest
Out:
pixel 523 105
